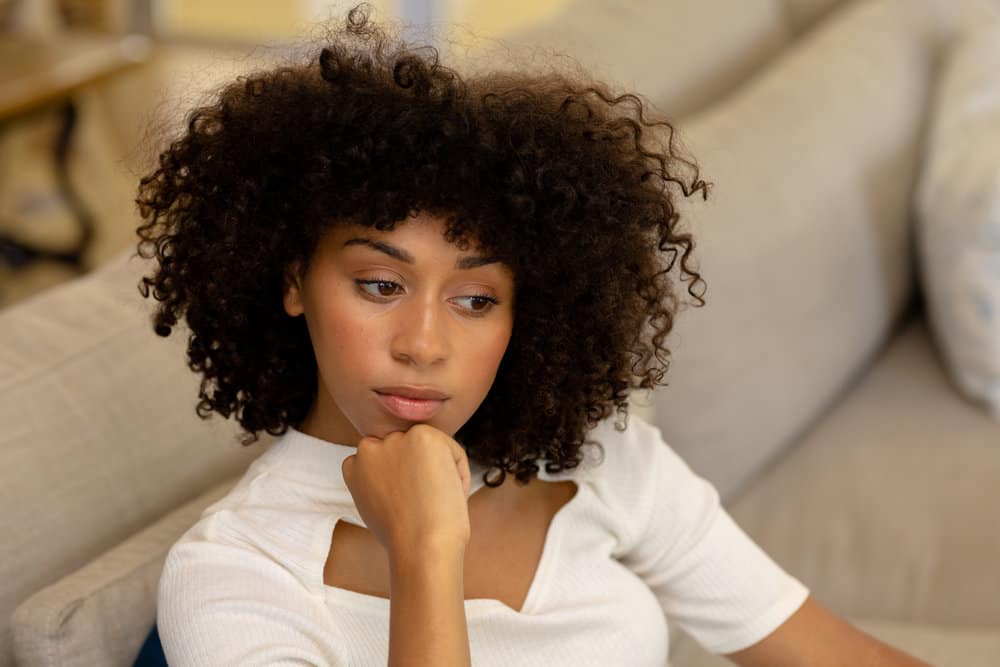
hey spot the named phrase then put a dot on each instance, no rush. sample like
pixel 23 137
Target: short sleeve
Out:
pixel 222 604
pixel 710 577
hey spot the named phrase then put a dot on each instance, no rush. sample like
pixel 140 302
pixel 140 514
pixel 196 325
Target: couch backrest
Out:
pixel 805 242
pixel 101 437
pixel 681 55
pixel 804 14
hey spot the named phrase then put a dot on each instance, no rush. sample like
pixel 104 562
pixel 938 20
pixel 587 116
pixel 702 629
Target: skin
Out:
pixel 409 480
pixel 426 331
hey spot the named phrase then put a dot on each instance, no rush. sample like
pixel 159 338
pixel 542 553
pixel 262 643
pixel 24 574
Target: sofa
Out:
pixel 810 389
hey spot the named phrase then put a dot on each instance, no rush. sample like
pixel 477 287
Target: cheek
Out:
pixel 488 353
pixel 347 339
pixel 353 341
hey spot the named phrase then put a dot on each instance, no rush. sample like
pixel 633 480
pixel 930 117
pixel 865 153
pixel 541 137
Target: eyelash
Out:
pixel 474 313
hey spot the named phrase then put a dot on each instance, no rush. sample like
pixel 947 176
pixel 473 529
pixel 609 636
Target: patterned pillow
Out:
pixel 958 215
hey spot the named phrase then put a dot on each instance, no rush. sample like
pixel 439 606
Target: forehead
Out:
pixel 410 239
pixel 415 233
pixel 421 244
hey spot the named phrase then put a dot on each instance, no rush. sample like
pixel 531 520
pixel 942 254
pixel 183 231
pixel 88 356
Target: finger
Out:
pixel 461 464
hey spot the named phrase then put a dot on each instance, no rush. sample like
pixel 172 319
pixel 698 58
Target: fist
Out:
pixel 411 489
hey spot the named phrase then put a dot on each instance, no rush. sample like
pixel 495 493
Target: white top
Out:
pixel 643 542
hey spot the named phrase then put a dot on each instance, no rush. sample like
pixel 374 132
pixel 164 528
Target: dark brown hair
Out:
pixel 560 178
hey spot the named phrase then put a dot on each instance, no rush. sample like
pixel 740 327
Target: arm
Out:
pixel 816 637
pixel 717 584
pixel 427 609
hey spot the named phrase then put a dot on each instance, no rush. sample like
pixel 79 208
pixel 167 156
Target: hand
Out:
pixel 411 489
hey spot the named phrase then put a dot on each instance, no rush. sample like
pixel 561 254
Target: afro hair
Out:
pixel 561 179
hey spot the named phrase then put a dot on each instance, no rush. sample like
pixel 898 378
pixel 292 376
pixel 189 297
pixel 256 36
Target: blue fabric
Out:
pixel 151 653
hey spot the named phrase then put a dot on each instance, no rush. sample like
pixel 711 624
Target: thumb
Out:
pixel 347 467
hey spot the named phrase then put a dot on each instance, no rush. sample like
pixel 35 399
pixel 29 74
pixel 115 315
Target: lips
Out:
pixel 413 409
pixel 413 391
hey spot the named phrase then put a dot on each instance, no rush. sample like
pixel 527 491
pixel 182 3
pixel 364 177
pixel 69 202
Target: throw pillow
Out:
pixel 958 216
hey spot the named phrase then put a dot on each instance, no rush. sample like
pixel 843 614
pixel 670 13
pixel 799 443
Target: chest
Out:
pixel 509 528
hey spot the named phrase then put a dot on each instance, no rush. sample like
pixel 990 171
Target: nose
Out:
pixel 421 336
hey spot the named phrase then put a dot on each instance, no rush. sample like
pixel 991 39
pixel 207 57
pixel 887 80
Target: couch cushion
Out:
pixel 958 223
pixel 102 613
pixel 682 55
pixel 937 645
pixel 888 507
pixel 952 14
pixel 804 242
pixel 102 436
pixel 803 14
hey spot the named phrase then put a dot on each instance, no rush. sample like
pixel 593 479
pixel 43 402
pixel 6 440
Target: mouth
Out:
pixel 413 409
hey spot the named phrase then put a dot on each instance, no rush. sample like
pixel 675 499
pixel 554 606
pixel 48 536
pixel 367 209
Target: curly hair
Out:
pixel 549 172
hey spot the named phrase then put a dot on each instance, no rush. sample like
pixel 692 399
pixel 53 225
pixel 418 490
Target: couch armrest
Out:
pixel 102 613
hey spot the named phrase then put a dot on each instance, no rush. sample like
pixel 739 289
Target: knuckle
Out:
pixel 421 429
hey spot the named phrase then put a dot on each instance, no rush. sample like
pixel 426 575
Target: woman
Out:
pixel 426 286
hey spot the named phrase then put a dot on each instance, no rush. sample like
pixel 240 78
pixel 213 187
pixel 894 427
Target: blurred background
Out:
pixel 81 81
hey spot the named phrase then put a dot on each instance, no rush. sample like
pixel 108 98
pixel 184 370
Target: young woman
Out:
pixel 426 286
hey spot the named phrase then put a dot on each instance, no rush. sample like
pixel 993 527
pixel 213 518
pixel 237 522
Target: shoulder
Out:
pixel 266 527
pixel 267 500
pixel 245 574
pixel 640 472
pixel 230 540
pixel 226 596
pixel 645 481
pixel 633 436
pixel 634 453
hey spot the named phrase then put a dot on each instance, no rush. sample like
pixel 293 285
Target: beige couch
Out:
pixel 808 390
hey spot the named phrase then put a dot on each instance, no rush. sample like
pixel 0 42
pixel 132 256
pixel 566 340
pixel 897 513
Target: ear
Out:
pixel 293 292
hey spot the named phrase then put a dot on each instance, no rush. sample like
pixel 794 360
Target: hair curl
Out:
pixel 546 171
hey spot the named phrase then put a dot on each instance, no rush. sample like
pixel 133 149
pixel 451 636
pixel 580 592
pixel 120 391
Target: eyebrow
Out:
pixel 464 262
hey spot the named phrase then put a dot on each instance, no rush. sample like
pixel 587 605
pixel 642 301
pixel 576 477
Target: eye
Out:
pixel 486 301
pixel 379 283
